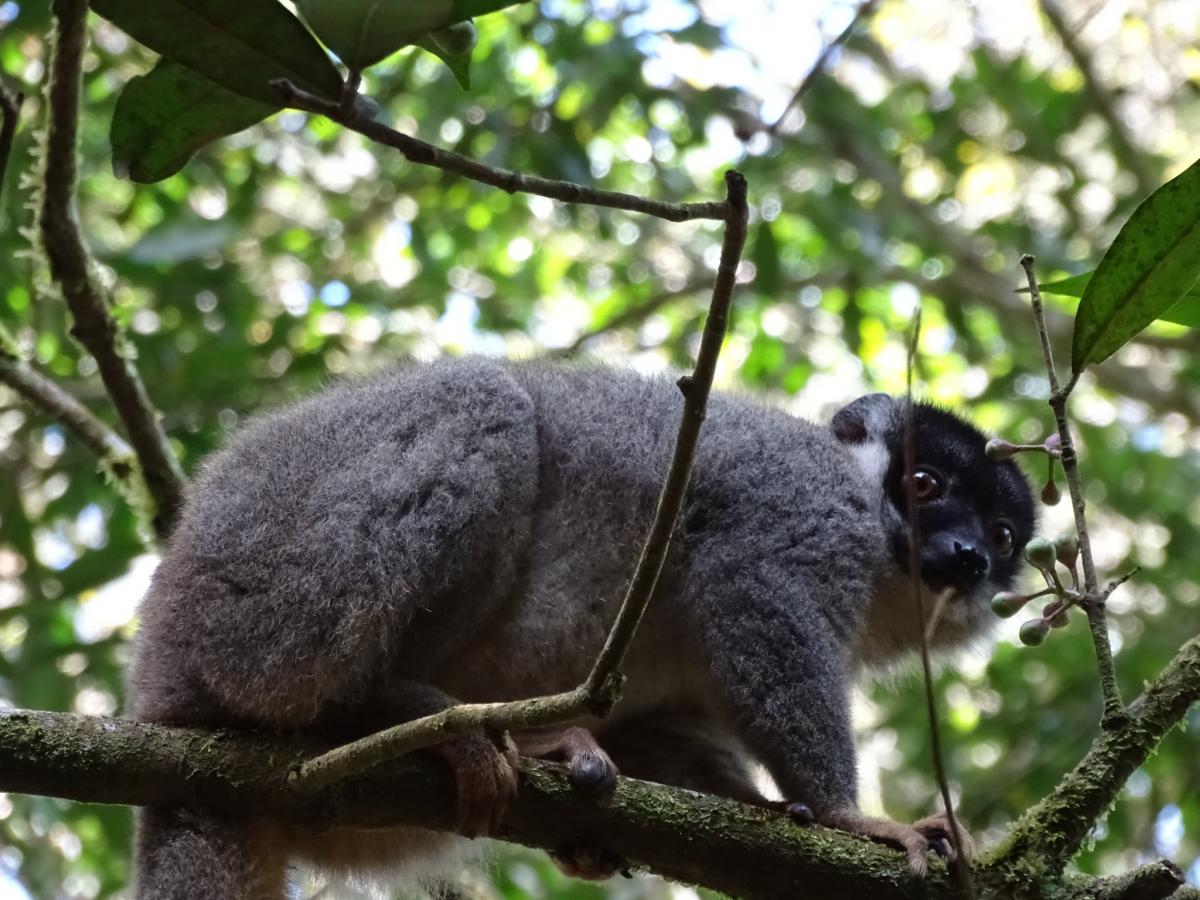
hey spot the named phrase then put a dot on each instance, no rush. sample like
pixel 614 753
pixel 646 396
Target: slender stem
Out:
pixel 695 390
pixel 864 9
pixel 10 113
pixel 1093 602
pixel 115 455
pixel 602 687
pixel 962 869
pixel 419 151
pixel 71 268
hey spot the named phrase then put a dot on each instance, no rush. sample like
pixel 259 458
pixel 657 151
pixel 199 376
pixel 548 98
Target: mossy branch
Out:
pixel 740 850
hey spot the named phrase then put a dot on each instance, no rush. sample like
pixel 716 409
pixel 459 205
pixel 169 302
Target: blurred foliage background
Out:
pixel 946 139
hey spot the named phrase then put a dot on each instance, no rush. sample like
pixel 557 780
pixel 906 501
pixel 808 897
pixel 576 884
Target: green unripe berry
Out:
pixel 998 450
pixel 1060 619
pixel 1051 494
pixel 1066 548
pixel 1034 632
pixel 1008 603
pixel 1041 553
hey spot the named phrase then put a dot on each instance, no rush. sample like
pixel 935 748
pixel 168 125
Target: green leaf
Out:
pixel 1149 267
pixel 469 9
pixel 765 257
pixel 162 118
pixel 240 44
pixel 458 63
pixel 1186 310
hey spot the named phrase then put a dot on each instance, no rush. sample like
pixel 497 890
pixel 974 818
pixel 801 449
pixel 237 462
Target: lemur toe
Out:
pixel 593 774
pixel 937 831
pixel 800 813
pixel 485 776
pixel 590 769
pixel 593 862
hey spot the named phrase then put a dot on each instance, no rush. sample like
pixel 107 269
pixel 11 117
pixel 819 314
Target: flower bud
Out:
pixel 1034 632
pixel 998 450
pixel 1008 603
pixel 1066 548
pixel 1050 493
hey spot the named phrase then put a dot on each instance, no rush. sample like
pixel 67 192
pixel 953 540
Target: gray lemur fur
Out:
pixel 466 529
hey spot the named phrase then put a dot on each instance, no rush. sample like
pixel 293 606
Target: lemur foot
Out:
pixel 917 840
pixel 937 831
pixel 581 859
pixel 485 773
pixel 591 770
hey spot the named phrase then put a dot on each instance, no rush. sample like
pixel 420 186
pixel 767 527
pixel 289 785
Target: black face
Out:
pixel 975 515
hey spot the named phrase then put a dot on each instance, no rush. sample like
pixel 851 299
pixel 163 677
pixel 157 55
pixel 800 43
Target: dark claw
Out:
pixel 592 775
pixel 800 813
pixel 940 846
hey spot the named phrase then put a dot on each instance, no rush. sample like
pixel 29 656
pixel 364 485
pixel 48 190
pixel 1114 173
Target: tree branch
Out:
pixel 1127 151
pixel 602 687
pixel 10 113
pixel 418 151
pixel 1052 831
pixel 744 851
pixel 71 268
pixel 866 8
pixel 116 457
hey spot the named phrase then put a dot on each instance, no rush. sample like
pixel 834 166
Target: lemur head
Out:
pixel 975 515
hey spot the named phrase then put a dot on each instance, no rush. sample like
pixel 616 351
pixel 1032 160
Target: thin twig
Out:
pixel 864 9
pixel 601 689
pixel 695 388
pixel 71 267
pixel 1093 602
pixel 962 870
pixel 418 151
pixel 1103 102
pixel 114 454
pixel 10 113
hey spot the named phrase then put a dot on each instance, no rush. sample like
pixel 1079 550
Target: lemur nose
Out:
pixel 970 561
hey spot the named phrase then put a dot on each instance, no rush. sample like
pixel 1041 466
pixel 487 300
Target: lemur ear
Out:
pixel 867 418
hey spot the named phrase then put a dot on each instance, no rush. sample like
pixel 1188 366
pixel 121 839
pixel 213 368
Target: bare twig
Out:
pixel 1093 602
pixel 1131 157
pixel 114 454
pixel 10 112
pixel 864 9
pixel 71 267
pixel 602 687
pixel 695 388
pixel 419 151
pixel 962 870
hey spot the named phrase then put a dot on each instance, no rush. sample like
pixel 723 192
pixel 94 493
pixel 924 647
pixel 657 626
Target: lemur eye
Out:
pixel 1002 538
pixel 926 485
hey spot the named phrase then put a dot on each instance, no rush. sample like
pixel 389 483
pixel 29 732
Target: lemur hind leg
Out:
pixel 183 854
